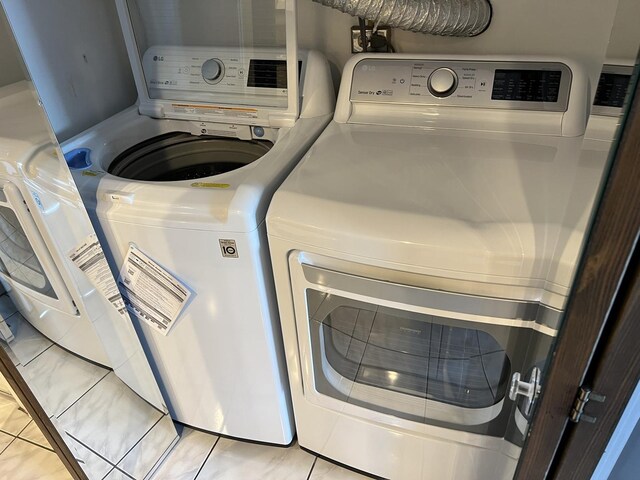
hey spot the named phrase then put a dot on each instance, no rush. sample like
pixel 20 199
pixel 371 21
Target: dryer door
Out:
pixel 25 262
pixel 399 354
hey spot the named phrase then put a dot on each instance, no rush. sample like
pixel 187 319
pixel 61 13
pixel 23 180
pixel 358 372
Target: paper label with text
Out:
pixel 151 293
pixel 89 257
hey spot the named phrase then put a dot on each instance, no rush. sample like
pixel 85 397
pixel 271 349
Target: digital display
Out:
pixel 526 85
pixel 612 90
pixel 267 74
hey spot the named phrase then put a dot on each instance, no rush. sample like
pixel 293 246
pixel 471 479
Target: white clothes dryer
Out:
pixel 42 221
pixel 603 123
pixel 186 176
pixel 412 249
pixel 31 274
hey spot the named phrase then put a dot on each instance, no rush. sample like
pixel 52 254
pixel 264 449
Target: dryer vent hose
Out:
pixel 456 18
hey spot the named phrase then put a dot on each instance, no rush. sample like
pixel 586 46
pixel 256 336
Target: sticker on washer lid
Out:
pixel 209 185
pixel 89 257
pixel 151 293
pixel 215 110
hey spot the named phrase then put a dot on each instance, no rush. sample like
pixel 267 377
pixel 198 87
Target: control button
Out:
pixel 258 132
pixel 442 82
pixel 212 70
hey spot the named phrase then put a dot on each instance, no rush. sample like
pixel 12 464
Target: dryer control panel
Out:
pixel 502 85
pixel 612 90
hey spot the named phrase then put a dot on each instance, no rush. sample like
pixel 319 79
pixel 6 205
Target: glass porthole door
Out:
pixel 415 357
pixel 25 262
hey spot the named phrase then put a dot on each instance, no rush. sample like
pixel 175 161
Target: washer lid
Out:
pixel 225 61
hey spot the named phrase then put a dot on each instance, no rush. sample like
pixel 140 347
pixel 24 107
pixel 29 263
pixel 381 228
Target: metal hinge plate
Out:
pixel 584 396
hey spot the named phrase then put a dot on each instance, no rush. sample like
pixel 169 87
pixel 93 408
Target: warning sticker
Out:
pixel 151 293
pixel 215 110
pixel 89 257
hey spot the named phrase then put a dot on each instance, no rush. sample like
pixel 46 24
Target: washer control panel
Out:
pixel 506 85
pixel 191 72
pixel 212 70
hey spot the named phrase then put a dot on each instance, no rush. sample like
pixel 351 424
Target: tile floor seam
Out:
pixel 9 318
pixel 25 427
pixel 139 440
pixel 31 441
pixel 8 444
pixel 206 458
pixel 27 364
pixel 81 396
pixel 124 473
pixel 163 458
pixel 312 467
pixel 92 451
pixel 36 444
pixel 121 471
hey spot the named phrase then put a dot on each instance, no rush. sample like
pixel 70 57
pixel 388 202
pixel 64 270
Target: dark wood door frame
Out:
pixel 597 287
pixel 614 374
pixel 22 390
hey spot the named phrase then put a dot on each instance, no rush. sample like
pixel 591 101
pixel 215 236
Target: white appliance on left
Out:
pixel 42 221
pixel 185 177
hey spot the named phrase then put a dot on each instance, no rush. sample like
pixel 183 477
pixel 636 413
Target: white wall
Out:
pixel 621 454
pixel 625 37
pixel 76 57
pixel 628 464
pixel 10 66
pixel 576 29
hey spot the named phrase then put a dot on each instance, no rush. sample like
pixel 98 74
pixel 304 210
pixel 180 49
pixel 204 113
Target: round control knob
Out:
pixel 442 82
pixel 212 70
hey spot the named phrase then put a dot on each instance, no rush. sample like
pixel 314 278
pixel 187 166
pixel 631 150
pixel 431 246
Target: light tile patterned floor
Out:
pixel 86 401
pixel 24 452
pixel 234 460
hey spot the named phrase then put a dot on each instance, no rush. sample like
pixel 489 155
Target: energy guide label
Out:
pixel 151 293
pixel 89 257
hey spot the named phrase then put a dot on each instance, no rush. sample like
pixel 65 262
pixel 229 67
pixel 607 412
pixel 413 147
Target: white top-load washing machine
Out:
pixel 186 176
pixel 414 252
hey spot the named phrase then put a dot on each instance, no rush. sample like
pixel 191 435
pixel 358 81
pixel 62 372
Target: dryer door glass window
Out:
pixel 420 367
pixel 222 52
pixel 17 258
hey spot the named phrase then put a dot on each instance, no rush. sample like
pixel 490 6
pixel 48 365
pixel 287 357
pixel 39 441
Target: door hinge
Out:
pixel 584 396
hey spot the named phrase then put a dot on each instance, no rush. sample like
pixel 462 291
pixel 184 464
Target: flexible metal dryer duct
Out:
pixel 457 18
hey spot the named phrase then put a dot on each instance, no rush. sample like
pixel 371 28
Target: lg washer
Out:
pixel 184 179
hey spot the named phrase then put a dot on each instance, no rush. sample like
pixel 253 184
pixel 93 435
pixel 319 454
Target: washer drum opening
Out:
pixel 180 156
